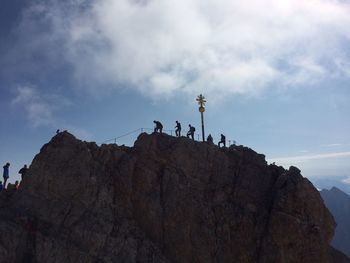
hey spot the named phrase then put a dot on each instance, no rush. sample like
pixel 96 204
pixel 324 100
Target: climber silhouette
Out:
pixel 178 129
pixel 6 173
pixel 159 127
pixel 191 131
pixel 222 140
pixel 23 171
pixel 210 139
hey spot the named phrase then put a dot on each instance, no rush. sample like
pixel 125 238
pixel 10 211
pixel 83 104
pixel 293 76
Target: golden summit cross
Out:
pixel 201 100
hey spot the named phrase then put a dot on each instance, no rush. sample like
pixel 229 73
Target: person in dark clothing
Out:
pixel 178 129
pixel 210 139
pixel 222 140
pixel 1 186
pixel 58 131
pixel 23 171
pixel 159 127
pixel 6 173
pixel 191 131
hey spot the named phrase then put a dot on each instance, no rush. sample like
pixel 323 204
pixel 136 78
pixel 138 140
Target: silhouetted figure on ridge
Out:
pixel 222 140
pixel 178 129
pixel 210 139
pixel 191 131
pixel 16 185
pixel 1 186
pixel 58 131
pixel 159 126
pixel 6 173
pixel 23 171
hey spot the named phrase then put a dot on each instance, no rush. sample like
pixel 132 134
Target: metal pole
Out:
pixel 202 118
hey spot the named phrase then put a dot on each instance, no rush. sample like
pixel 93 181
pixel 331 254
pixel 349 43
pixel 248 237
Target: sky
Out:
pixel 275 74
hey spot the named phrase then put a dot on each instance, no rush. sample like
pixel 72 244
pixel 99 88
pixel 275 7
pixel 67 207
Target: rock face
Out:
pixel 338 203
pixel 164 200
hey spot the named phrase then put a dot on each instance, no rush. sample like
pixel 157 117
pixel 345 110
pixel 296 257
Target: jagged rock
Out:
pixel 166 199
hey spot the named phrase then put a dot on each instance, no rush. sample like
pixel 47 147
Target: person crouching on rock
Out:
pixel 159 126
pixel 6 173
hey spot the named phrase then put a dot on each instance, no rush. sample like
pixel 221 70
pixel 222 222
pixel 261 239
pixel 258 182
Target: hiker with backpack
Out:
pixel 191 131
pixel 159 127
pixel 23 171
pixel 222 140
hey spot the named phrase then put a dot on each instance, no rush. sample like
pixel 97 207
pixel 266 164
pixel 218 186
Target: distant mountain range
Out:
pixel 338 203
pixel 327 182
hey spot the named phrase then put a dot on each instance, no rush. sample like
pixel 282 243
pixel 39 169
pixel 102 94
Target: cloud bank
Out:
pixel 219 47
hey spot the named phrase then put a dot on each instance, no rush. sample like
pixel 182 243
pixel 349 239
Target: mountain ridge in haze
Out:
pixel 338 203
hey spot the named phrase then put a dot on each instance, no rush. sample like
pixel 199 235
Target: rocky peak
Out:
pixel 166 199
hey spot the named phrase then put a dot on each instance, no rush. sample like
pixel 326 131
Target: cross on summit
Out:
pixel 201 100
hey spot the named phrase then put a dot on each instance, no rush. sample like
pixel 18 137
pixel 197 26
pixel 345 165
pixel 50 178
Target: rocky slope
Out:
pixel 164 200
pixel 338 203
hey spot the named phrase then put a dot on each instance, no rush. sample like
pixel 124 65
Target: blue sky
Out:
pixel 275 74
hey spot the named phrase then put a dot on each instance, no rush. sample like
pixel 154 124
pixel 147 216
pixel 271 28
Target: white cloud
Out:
pixel 303 158
pixel 218 47
pixel 332 145
pixel 39 107
pixel 42 109
pixel 320 165
pixel 346 180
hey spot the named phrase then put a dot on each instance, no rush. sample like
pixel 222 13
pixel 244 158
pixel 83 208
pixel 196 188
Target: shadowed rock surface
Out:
pixel 166 199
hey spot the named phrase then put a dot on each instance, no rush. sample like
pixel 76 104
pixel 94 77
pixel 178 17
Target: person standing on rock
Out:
pixel 159 126
pixel 6 173
pixel 210 139
pixel 23 171
pixel 191 131
pixel 178 129
pixel 222 140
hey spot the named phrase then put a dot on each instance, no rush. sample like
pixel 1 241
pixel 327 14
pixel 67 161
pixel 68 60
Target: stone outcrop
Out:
pixel 164 200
